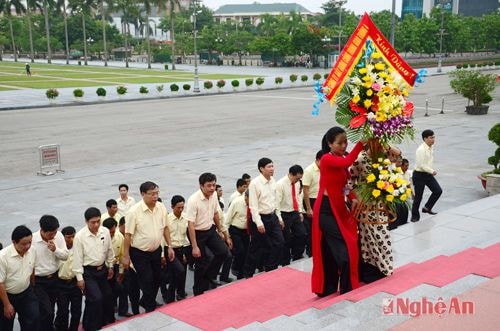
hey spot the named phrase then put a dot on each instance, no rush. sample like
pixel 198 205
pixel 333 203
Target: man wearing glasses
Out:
pixel 146 225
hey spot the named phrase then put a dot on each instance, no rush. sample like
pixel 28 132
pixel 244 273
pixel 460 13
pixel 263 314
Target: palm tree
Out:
pixel 31 4
pixel 129 11
pixel 103 21
pixel 173 6
pixel 46 5
pixel 147 8
pixel 61 4
pixel 5 8
pixel 84 7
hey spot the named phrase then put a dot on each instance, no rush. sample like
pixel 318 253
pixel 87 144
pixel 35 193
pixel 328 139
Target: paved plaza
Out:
pixel 171 141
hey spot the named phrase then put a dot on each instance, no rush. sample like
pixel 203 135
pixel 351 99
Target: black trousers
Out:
pixel 98 298
pixel 334 253
pixel 240 247
pixel 119 292
pixel 266 247
pixel 46 290
pixel 420 181
pixel 294 234
pixel 401 216
pixel 176 273
pixel 308 226
pixel 26 306
pixel 69 294
pixel 148 268
pixel 131 290
pixel 206 269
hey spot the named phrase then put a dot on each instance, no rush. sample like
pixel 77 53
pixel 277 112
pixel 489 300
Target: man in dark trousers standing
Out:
pixel 265 228
pixel 93 259
pixel 17 272
pixel 146 225
pixel 424 175
pixel 203 225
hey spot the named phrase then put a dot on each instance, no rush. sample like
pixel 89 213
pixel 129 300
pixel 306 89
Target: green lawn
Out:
pixel 46 76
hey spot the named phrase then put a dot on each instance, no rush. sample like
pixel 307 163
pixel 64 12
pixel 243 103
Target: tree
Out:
pixel 84 8
pixel 46 5
pixel 428 33
pixel 129 10
pixel 407 35
pixel 173 7
pixel 61 5
pixel 6 7
pixel 31 4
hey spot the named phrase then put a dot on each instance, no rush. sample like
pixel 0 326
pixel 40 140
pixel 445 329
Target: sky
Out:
pixel 358 6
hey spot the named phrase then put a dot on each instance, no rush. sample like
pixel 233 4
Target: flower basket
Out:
pixel 374 214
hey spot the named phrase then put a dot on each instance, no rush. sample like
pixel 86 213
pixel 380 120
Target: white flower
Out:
pixel 371 116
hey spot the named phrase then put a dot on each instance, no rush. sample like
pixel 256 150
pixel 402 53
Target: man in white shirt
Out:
pixel 203 225
pixel 310 182
pixel 266 242
pixel 17 266
pixel 93 259
pixel 424 175
pixel 290 213
pixel 112 211
pixel 50 250
pixel 236 220
pixel 124 201
pixel 241 187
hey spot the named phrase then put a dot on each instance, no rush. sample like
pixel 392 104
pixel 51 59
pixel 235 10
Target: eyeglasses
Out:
pixel 153 193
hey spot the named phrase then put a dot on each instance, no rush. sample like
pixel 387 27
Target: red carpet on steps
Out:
pixel 286 291
pixel 261 298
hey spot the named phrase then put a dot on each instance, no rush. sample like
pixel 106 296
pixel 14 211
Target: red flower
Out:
pixel 357 120
pixel 409 108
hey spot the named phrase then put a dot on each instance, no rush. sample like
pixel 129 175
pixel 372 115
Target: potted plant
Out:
pixel 52 94
pixel 278 80
pixel 235 83
pixel 186 87
pixel 293 78
pixel 174 87
pixel 259 81
pixel 160 88
pixel 325 76
pixel 121 90
pixel 316 76
pixel 474 86
pixel 101 92
pixel 208 84
pixel 143 90
pixel 304 78
pixel 220 84
pixel 491 179
pixel 249 82
pixel 78 94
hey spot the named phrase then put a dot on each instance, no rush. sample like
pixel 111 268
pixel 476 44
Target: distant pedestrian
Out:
pixel 28 69
pixel 424 175
pixel 124 201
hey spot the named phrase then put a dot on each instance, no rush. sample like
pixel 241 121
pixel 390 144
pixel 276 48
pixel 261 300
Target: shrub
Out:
pixel 221 83
pixel 121 90
pixel 235 83
pixel 249 81
pixel 186 87
pixel 101 92
pixel 160 88
pixel 459 66
pixel 52 93
pixel 465 66
pixel 278 80
pixel 303 78
pixel 259 81
pixel 316 76
pixel 293 78
pixel 166 66
pixel 78 93
pixel 174 87
pixel 208 84
pixel 325 76
pixel 494 136
pixel 143 90
pixel 473 85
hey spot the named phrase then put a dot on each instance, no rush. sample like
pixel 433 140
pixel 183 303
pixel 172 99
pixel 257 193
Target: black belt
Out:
pixel 98 268
pixel 290 212
pixel 51 276
pixel 270 214
pixel 68 280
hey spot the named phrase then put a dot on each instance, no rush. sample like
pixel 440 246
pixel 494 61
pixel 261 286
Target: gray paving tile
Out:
pixel 177 326
pixel 283 322
pixel 147 322
pixel 254 326
pixel 463 284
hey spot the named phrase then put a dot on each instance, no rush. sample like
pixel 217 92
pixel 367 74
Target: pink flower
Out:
pixel 376 87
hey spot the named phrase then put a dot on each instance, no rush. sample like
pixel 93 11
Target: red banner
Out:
pixel 352 51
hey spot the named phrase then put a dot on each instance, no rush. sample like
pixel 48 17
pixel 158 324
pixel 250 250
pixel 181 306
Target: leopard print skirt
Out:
pixel 376 246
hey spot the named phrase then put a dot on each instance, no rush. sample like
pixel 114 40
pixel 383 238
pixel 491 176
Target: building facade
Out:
pixel 463 7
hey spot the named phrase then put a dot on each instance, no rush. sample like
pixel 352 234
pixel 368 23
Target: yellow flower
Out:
pixel 382 74
pixel 408 191
pixel 375 165
pixel 367 78
pixel 369 92
pixel 384 172
pixel 380 116
pixel 376 55
pixel 403 197
pixel 380 66
pixel 370 178
pixel 389 197
pixel 380 184
pixel 399 170
pixel 405 93
pixel 356 98
pixel 390 189
pixel 368 84
pixel 367 103
pixel 387 161
pixel 363 71
pixel 376 193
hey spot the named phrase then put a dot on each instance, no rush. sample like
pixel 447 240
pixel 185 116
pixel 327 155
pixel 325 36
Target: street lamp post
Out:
pixel 326 40
pixel 340 3
pixel 196 85
pixel 441 32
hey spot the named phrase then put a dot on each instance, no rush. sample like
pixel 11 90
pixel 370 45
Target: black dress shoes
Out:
pixel 428 211
pixel 226 280
pixel 414 220
pixel 213 284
